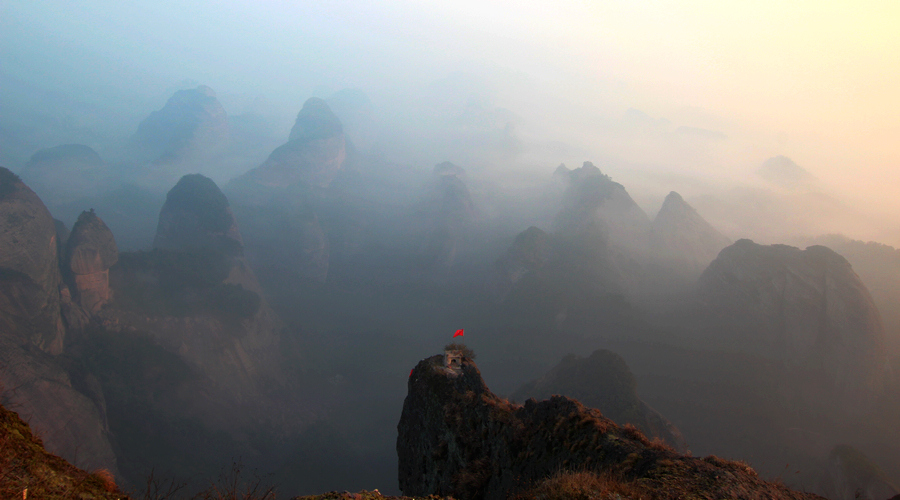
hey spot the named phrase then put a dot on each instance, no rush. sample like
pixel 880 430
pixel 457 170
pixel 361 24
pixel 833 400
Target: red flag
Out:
pixel 459 333
pixel 410 372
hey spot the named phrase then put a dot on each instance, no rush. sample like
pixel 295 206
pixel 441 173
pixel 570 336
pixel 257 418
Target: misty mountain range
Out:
pixel 203 289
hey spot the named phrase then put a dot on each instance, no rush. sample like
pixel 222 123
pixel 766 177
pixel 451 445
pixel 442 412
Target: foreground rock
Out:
pixel 457 438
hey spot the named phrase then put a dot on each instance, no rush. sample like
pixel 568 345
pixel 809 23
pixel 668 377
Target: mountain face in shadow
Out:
pixel 806 308
pixel 603 381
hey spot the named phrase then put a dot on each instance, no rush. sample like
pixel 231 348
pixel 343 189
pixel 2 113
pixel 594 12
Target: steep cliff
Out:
pixel 604 381
pixel 456 437
pixel 448 215
pixel 529 253
pixel 29 268
pixel 806 308
pixel 90 252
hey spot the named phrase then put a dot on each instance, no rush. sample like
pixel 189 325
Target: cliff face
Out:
pixel 604 381
pixel 457 438
pixel 29 268
pixel 448 216
pixel 805 307
pixel 90 252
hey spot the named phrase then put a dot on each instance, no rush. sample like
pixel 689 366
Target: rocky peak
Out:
pixel 191 119
pixel 782 171
pixel 456 437
pixel 804 307
pixel 90 252
pixel 29 267
pixel 682 239
pixel 315 121
pixel 195 216
pixel 312 157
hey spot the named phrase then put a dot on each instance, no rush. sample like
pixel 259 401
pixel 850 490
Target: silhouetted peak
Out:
pixel 315 121
pixel 67 152
pixel 449 169
pixel 783 171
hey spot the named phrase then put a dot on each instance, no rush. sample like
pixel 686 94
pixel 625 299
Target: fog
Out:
pixel 554 178
pixel 685 96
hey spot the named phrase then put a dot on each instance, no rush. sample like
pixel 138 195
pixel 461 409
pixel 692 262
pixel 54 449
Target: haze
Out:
pixel 812 81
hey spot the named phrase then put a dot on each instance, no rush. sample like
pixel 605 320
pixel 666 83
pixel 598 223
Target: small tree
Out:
pixel 466 351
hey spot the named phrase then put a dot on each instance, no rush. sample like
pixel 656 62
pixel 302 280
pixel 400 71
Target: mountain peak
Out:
pixel 316 121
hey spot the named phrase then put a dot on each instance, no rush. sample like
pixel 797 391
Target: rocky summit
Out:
pixel 456 437
pixel 65 173
pixel 806 308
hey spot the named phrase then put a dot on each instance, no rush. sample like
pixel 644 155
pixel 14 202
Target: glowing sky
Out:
pixel 818 81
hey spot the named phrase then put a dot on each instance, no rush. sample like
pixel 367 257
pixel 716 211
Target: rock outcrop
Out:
pixel 806 308
pixel 90 252
pixel 681 241
pixel 455 437
pixel 192 120
pixel 29 268
pixel 604 381
pixel 66 173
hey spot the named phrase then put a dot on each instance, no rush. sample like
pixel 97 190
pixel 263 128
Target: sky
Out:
pixel 816 81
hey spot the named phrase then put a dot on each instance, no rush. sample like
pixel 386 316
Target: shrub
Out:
pixel 466 351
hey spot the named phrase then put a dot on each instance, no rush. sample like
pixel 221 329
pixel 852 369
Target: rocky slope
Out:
pixel 26 465
pixel 806 308
pixel 604 382
pixel 528 254
pixel 447 216
pixel 456 437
